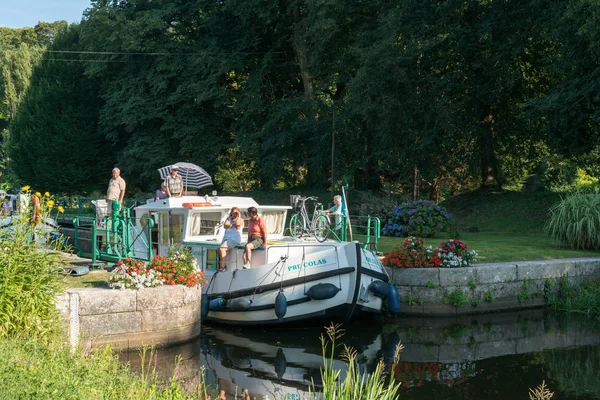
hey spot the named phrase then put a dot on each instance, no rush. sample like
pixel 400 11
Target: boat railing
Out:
pixel 364 228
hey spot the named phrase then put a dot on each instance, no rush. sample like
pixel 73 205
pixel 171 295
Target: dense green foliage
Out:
pixel 414 96
pixel 580 298
pixel 33 370
pixel 28 279
pixel 575 221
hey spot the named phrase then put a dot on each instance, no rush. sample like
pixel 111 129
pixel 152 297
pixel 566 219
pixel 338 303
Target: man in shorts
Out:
pixel 116 190
pixel 257 235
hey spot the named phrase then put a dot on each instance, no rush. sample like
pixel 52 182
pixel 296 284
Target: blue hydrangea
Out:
pixel 421 218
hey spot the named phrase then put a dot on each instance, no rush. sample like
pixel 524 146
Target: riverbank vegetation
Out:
pixel 581 298
pixel 39 364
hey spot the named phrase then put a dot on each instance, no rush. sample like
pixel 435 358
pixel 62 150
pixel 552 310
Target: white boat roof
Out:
pixel 205 203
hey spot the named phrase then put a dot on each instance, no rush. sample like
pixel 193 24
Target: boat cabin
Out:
pixel 197 222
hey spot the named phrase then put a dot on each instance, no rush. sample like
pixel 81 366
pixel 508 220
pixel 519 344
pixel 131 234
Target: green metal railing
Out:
pixel 83 208
pixel 119 235
pixel 367 226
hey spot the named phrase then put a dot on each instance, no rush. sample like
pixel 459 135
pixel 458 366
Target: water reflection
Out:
pixel 496 356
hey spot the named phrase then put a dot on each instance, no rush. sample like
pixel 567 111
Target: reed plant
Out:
pixel 29 259
pixel 575 221
pixel 356 384
pixel 32 369
pixel 583 298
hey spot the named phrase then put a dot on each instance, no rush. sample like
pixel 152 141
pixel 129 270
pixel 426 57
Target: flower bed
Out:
pixel 178 268
pixel 417 218
pixel 413 254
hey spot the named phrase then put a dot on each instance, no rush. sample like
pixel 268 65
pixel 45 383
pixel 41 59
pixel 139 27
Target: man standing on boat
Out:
pixel 257 235
pixel 174 183
pixel 116 189
pixel 336 211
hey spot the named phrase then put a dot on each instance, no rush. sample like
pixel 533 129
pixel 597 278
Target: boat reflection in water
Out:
pixel 277 364
pixel 462 358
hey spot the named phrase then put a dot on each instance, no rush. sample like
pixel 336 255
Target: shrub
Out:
pixel 422 218
pixel 133 274
pixel 412 254
pixel 452 253
pixel 575 221
pixel 455 253
pixel 28 273
pixel 178 268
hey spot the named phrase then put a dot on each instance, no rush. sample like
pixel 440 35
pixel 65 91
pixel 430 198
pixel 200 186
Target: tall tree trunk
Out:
pixel 368 177
pixel 302 53
pixel 434 190
pixel 315 176
pixel 416 184
pixel 487 155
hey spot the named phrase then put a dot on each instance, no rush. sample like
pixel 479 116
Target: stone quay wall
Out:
pixel 487 287
pixel 130 319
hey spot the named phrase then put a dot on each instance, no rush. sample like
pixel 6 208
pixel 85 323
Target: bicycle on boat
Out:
pixel 301 224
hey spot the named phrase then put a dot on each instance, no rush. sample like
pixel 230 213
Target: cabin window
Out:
pixel 176 228
pixel 274 221
pixel 206 223
pixel 171 228
pixel 163 237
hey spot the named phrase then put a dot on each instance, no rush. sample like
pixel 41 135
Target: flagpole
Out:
pixel 345 211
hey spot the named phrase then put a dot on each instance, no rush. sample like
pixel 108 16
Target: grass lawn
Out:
pixel 509 227
pixel 501 247
pixel 96 278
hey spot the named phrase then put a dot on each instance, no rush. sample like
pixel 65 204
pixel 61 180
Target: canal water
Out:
pixel 492 356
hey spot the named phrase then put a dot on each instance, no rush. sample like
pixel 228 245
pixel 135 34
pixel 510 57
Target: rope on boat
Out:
pixel 263 279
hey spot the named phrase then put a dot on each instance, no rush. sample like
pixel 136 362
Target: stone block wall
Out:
pixel 486 287
pixel 130 319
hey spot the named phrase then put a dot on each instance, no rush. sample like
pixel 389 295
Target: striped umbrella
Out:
pixel 192 175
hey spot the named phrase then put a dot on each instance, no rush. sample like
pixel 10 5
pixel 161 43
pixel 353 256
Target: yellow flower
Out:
pixel 50 203
pixel 25 188
pixel 47 194
pixel 61 209
pixel 38 194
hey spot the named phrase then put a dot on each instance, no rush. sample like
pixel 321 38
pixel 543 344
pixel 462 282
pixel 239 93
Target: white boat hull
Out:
pixel 344 271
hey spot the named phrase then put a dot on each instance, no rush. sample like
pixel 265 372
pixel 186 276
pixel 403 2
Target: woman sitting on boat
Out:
pixel 232 237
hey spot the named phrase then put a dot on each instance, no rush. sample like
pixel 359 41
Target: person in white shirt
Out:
pixel 232 237
pixel 7 207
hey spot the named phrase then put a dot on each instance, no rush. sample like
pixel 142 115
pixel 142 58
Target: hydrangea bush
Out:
pixel 452 253
pixel 421 218
pixel 178 268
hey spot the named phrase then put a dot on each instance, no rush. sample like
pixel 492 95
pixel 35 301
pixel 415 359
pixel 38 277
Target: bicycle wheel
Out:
pixel 296 226
pixel 321 228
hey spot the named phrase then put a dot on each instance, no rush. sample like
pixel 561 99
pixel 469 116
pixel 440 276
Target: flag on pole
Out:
pixel 344 211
